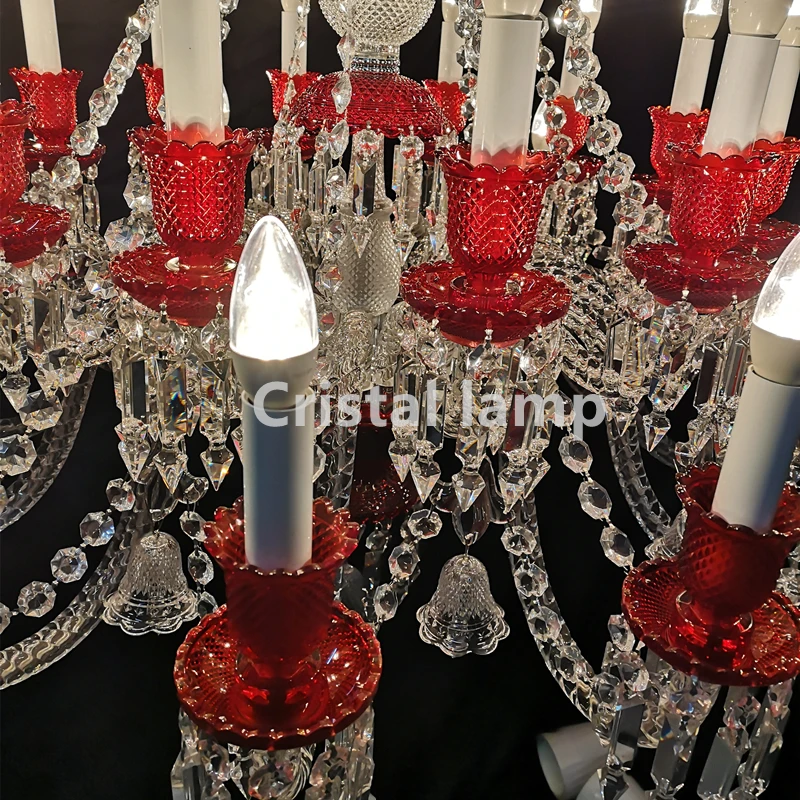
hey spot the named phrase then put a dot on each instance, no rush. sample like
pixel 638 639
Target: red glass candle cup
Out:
pixel 713 200
pixel 153 80
pixel 774 184
pixel 54 98
pixel 450 99
pixel 673 130
pixel 279 619
pixel 279 80
pixel 14 118
pixel 493 214
pixel 576 125
pixel 198 192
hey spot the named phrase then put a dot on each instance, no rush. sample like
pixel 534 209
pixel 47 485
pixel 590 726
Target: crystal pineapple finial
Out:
pixel 462 616
pixel 153 596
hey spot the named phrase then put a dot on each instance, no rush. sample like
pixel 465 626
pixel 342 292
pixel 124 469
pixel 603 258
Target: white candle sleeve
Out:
pixel 506 86
pixel 278 490
pixel 289 22
pixel 780 97
pixel 759 453
pixel 570 83
pixel 41 35
pixel 450 71
pixel 155 39
pixel 192 52
pixel 691 76
pixel 741 93
pixel 569 757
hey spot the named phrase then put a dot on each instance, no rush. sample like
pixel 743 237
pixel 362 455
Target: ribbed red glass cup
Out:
pixel 774 184
pixel 14 119
pixel 673 129
pixel 279 619
pixel 713 200
pixel 153 80
pixel 450 99
pixel 731 570
pixel 198 191
pixel 54 98
pixel 576 125
pixel 493 214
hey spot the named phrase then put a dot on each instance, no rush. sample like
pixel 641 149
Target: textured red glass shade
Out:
pixel 14 118
pixel 28 229
pixel 389 103
pixel 774 184
pixel 673 130
pixel 377 493
pixel 198 191
pixel 279 80
pixel 713 200
pixel 282 665
pixel 712 610
pixel 153 80
pixel 576 125
pixel 493 213
pixel 450 99
pixel 53 96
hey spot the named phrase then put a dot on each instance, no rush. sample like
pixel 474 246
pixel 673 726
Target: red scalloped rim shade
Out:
pixel 29 229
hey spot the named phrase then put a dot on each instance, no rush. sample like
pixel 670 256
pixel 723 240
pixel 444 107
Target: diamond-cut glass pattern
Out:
pixel 450 99
pixel 373 22
pixel 279 80
pixel 153 80
pixel 673 129
pixel 14 119
pixel 774 184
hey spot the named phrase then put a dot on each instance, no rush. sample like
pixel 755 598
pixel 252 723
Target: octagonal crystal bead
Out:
pixel 69 564
pixel 36 599
pixel 97 528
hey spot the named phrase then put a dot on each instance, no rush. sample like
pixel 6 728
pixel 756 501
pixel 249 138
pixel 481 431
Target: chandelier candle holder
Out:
pixel 26 229
pixel 701 20
pixel 493 215
pixel 279 81
pixel 40 28
pixel 198 193
pixel 282 665
pixel 745 75
pixel 712 204
pixel 153 80
pixel 54 99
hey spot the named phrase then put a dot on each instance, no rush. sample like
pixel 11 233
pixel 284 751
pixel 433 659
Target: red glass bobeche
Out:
pixel 712 611
pixel 153 80
pixel 282 665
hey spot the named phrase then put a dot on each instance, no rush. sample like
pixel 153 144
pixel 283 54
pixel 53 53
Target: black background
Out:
pixel 102 722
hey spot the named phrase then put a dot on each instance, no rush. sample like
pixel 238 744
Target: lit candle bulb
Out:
pixel 41 35
pixel 701 20
pixel 274 337
pixel 782 85
pixel 506 81
pixel 289 22
pixel 745 74
pixel 767 424
pixel 192 54
pixel 450 70
pixel 570 83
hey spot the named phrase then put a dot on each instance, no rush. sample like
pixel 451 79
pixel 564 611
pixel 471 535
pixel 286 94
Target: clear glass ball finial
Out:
pixel 382 23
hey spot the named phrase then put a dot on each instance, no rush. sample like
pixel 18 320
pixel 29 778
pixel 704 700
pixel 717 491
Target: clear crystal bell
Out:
pixel 462 616
pixel 153 596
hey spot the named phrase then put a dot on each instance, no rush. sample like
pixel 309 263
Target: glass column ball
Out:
pixel 386 23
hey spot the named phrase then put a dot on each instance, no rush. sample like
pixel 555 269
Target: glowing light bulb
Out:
pixel 701 18
pixel 758 17
pixel 790 32
pixel 449 10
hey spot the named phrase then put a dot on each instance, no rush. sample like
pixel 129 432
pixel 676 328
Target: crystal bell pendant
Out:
pixel 462 616
pixel 153 596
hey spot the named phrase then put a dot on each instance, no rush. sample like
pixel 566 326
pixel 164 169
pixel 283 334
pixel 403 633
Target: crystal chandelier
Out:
pixel 423 263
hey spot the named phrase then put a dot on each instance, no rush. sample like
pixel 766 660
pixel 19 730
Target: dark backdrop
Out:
pixel 102 722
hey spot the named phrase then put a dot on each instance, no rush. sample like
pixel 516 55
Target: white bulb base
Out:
pixel 780 96
pixel 569 757
pixel 741 93
pixel 278 490
pixel 41 35
pixel 450 71
pixel 506 87
pixel 691 76
pixel 759 453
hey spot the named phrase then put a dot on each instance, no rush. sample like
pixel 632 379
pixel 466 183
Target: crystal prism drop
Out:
pixel 402 454
pixel 171 463
pixel 468 486
pixel 425 474
pixel 217 461
pixel 656 427
pixel 341 93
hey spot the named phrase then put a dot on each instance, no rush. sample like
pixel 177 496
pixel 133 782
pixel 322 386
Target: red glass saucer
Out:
pixel 211 691
pixel 191 294
pixel 29 229
pixel 441 291
pixel 45 156
pixel 671 275
pixel 768 239
pixel 767 652
pixel 389 103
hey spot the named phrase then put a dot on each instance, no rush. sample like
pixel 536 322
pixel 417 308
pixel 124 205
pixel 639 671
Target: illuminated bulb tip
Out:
pixel 512 8
pixel 701 18
pixel 449 10
pixel 758 17
pixel 790 32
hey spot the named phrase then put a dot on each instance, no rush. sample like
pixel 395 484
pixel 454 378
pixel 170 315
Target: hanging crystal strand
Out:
pixel 407 183
pixel 202 767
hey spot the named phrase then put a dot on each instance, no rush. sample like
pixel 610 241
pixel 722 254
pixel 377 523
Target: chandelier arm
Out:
pixel 54 449
pixel 626 454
